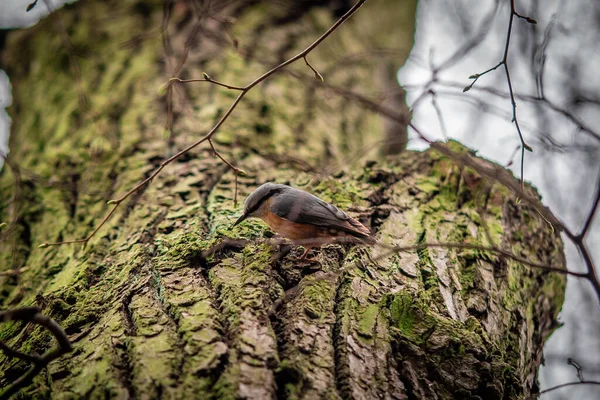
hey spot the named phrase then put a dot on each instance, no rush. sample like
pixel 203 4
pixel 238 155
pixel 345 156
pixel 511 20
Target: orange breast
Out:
pixel 291 230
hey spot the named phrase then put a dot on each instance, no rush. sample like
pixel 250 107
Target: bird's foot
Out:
pixel 305 260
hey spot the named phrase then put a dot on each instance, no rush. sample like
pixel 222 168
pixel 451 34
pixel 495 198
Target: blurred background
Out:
pixel 553 66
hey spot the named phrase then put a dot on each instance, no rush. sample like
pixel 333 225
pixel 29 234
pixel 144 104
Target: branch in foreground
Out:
pixel 468 246
pixel 240 243
pixel 33 314
pixel 243 91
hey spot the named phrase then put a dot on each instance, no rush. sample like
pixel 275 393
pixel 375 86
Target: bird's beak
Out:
pixel 240 219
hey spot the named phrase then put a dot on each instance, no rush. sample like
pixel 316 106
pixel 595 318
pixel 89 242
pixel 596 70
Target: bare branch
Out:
pixel 468 246
pixel 438 111
pixel 569 384
pixel 577 367
pixel 551 105
pixel 592 213
pixel 235 169
pixel 206 79
pixel 240 243
pixel 33 314
pixel 504 62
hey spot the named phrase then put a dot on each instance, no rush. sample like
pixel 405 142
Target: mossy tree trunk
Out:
pixel 151 316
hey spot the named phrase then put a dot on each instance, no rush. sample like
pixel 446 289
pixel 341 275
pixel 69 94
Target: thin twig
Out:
pixel 206 79
pixel 10 352
pixel 317 74
pixel 216 153
pixel 551 105
pixel 504 62
pixel 387 112
pixel 438 111
pixel 236 170
pixel 577 367
pixel 491 249
pixel 592 213
pixel 569 384
pixel 587 259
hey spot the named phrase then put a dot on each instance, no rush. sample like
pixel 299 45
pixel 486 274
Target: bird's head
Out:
pixel 257 203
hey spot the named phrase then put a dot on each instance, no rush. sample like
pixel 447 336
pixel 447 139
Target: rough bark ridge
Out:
pixel 151 317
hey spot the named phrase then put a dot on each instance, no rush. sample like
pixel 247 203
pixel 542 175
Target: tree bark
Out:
pixel 154 313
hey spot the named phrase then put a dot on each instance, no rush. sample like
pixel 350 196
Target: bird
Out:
pixel 302 217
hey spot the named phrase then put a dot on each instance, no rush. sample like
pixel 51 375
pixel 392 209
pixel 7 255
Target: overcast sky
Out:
pixel 14 13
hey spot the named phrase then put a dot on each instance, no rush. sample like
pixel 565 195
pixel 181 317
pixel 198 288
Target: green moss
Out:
pixel 341 192
pixel 467 277
pixel 456 147
pixel 401 312
pixel 316 294
pixel 368 320
pixel 9 330
pixel 427 184
pixel 516 282
pixel 554 289
pixel 414 320
pixel 226 386
pixel 415 223
pixel 258 258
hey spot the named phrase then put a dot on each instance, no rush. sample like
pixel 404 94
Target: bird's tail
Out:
pixel 370 240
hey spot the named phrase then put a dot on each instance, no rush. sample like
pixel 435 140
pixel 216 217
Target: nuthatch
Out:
pixel 301 216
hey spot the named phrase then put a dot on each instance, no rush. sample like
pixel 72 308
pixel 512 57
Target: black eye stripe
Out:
pixel 259 202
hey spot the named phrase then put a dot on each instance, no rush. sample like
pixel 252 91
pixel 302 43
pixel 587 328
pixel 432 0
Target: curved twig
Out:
pixel 33 314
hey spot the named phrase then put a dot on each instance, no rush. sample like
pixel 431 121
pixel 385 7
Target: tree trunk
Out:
pixel 153 313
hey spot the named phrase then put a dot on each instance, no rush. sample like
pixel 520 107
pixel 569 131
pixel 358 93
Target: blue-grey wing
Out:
pixel 304 208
